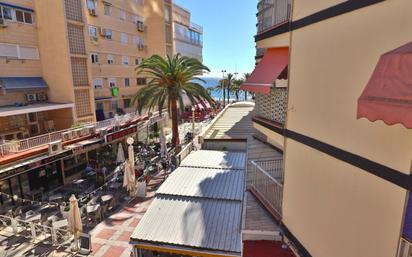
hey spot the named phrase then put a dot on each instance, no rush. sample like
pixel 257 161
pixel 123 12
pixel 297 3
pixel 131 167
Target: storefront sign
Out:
pixel 32 164
pixel 120 134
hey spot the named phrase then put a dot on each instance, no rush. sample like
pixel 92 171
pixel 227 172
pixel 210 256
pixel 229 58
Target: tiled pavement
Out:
pixel 110 238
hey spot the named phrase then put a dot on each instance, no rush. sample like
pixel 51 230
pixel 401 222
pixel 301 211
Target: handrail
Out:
pixel 42 140
pixel 267 187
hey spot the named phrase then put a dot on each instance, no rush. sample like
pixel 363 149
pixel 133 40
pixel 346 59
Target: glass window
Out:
pixel 112 83
pixel 107 9
pixel 93 31
pixel 110 59
pixel 108 33
pixel 141 81
pixel 7 13
pixel 127 82
pixel 138 61
pixel 122 15
pixel 28 18
pixel 19 16
pixel 33 117
pixel 91 4
pixel 114 105
pixel 126 103
pixel 123 38
pixel 98 83
pixel 125 60
pixel 94 58
pixel 99 106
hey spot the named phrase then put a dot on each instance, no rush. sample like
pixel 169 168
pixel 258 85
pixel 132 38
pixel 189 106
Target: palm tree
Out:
pixel 221 87
pixel 229 82
pixel 172 78
pixel 236 87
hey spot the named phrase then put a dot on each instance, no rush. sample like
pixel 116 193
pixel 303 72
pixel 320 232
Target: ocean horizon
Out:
pixel 214 81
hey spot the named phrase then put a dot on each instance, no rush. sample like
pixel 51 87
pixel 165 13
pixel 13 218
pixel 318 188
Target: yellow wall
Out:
pixel 273 138
pixel 53 43
pixel 305 8
pixel 333 208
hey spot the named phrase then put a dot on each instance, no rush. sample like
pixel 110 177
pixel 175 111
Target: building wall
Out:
pixel 334 208
pixel 305 8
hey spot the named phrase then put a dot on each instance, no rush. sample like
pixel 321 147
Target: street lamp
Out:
pixel 223 87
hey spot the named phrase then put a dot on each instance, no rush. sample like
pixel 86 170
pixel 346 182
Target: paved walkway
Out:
pixel 111 237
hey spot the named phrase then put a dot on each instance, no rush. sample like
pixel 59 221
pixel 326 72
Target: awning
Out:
pixel 22 83
pixel 41 107
pixel 267 71
pixel 388 94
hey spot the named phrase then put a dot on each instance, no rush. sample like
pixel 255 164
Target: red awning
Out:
pixel 267 71
pixel 388 94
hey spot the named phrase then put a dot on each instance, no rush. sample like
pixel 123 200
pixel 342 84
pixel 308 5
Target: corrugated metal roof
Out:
pixel 20 83
pixel 195 222
pixel 215 159
pixel 205 182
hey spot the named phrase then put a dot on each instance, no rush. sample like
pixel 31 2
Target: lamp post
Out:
pixel 193 122
pixel 223 88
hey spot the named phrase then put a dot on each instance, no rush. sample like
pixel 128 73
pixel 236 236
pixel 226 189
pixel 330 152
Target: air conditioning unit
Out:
pixel 55 147
pixel 140 26
pixel 92 12
pixel 2 23
pixel 67 136
pixel 31 97
pixel 41 97
pixel 102 32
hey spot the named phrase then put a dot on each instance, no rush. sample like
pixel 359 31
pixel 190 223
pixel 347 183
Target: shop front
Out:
pixel 31 178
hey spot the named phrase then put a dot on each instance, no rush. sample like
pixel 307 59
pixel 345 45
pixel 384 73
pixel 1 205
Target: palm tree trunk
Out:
pixel 224 96
pixel 245 95
pixel 175 125
pixel 228 94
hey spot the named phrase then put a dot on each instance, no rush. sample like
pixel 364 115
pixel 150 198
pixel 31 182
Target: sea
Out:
pixel 212 82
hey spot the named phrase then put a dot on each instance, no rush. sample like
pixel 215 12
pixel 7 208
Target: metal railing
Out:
pixel 42 140
pixel 273 167
pixel 266 185
pixel 272 13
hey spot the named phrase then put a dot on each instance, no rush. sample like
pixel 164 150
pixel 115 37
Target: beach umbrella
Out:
pixel 75 222
pixel 120 154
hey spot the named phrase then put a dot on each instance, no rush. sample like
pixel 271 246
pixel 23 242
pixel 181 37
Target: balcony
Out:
pixel 265 181
pixel 272 106
pixel 272 13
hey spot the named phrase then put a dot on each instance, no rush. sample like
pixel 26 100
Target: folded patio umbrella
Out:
pixel 120 154
pixel 129 180
pixel 75 222
pixel 163 147
pixel 131 157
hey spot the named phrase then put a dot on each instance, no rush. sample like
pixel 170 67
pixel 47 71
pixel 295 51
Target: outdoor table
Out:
pixel 92 208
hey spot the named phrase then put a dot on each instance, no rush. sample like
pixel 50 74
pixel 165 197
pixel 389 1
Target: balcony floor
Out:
pixel 258 223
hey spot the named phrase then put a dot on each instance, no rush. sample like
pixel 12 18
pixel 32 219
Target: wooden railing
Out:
pixel 266 185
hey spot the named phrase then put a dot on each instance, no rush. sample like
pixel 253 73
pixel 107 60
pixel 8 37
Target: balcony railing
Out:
pixel 11 147
pixel 267 182
pixel 272 13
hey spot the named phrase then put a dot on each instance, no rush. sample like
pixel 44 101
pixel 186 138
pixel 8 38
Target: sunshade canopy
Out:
pixel 388 94
pixel 273 63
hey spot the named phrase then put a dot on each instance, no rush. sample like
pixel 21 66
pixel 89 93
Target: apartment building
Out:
pixel 65 62
pixel 333 94
pixel 120 35
pixel 187 36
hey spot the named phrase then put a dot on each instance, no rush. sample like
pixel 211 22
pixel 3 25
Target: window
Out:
pixel 136 40
pixel 22 16
pixel 107 9
pixel 127 82
pixel 91 4
pixel 141 81
pixel 127 103
pixel 122 15
pixel 138 61
pixel 125 60
pixel 99 106
pixel 108 33
pixel 94 57
pixel 98 83
pixel 114 105
pixel 123 38
pixel 93 31
pixel 110 59
pixel 112 83
pixel 19 16
pixel 6 13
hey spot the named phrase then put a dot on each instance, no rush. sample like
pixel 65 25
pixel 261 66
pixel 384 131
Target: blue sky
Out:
pixel 229 27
